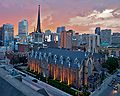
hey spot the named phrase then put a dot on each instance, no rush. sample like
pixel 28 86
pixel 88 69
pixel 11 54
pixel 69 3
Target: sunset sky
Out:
pixel 80 15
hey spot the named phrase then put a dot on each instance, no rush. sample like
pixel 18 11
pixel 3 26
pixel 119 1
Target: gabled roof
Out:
pixel 73 55
pixel 79 56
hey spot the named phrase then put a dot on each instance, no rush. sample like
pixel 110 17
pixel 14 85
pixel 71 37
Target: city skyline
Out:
pixel 81 16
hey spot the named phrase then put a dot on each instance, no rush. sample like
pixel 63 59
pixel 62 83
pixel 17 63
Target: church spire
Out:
pixel 38 21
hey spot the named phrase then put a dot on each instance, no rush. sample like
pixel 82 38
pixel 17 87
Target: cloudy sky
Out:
pixel 80 15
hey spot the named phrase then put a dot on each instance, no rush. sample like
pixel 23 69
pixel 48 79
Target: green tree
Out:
pixel 111 64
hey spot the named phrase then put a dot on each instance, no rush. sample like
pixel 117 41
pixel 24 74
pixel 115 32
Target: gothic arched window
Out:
pixel 55 58
pixel 44 55
pixel 36 54
pixel 68 61
pixel 61 59
pixel 32 53
pixel 40 55
pixel 76 61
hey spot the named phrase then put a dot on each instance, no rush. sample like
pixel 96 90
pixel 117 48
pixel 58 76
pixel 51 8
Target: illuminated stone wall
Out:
pixel 65 69
pixel 66 75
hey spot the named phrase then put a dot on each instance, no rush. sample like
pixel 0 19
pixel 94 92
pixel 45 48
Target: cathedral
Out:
pixel 71 67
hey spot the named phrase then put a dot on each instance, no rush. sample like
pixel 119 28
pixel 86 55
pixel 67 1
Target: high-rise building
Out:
pixel 94 43
pixel 66 39
pixel 75 38
pixel 1 36
pixel 23 28
pixel 59 30
pixel 47 35
pixel 53 37
pixel 8 34
pixel 85 39
pixel 97 30
pixel 47 32
pixel 83 42
pixel 105 37
pixel 115 39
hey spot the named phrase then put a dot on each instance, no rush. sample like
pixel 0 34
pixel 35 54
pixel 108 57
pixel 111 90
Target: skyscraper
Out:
pixel 75 40
pixel 105 37
pixel 59 30
pixel 66 39
pixel 94 42
pixel 53 37
pixel 115 39
pixel 47 35
pixel 8 34
pixel 1 36
pixel 23 28
pixel 97 30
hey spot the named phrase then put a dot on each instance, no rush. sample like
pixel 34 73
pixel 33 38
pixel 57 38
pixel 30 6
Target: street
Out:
pixel 105 90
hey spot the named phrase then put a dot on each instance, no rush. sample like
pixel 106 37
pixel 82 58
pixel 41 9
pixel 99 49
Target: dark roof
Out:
pixel 98 67
pixel 10 86
pixel 97 55
pixel 64 53
pixel 7 89
pixel 81 56
pixel 43 92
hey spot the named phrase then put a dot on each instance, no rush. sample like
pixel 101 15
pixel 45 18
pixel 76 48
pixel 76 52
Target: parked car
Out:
pixel 34 80
pixel 23 74
pixel 115 87
pixel 113 80
pixel 118 81
pixel 118 75
pixel 99 88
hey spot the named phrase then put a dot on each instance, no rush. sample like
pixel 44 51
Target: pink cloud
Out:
pixel 60 12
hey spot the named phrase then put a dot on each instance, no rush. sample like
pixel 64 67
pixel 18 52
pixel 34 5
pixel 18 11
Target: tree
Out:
pixel 23 59
pixel 111 64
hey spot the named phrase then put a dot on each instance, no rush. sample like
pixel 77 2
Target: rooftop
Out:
pixel 10 86
pixel 74 57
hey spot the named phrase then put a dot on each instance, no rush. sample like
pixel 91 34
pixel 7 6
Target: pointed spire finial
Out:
pixel 38 21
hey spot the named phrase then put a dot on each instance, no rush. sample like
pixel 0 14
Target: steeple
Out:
pixel 38 21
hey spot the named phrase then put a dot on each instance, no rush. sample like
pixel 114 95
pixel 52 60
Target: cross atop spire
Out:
pixel 38 21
